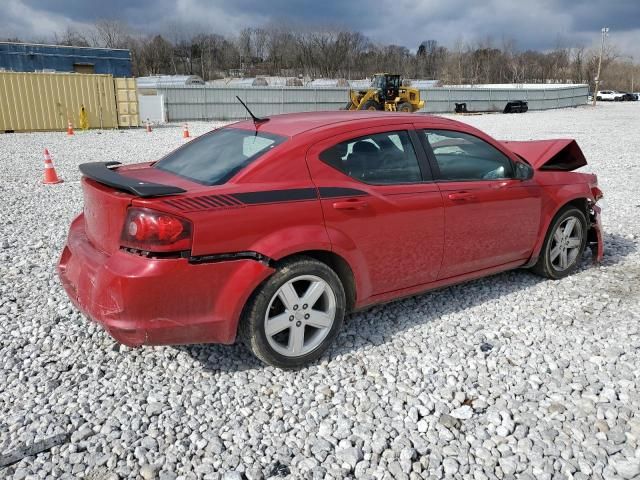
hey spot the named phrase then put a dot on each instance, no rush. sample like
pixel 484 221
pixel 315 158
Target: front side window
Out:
pixel 461 156
pixel 379 158
pixel 215 157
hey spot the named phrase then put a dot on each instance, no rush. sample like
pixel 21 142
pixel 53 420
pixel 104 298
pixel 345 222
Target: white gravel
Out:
pixel 507 377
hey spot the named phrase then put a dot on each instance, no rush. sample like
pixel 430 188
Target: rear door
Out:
pixel 491 218
pixel 381 208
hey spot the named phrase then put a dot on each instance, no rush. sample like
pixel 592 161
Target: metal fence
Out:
pixel 219 103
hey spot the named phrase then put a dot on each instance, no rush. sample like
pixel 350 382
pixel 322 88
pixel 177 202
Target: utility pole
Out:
pixel 604 31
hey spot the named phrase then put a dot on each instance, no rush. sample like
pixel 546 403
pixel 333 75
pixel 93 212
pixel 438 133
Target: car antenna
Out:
pixel 256 120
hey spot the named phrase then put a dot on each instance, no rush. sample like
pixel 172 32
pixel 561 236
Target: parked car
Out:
pixel 274 230
pixel 609 95
pixel 629 97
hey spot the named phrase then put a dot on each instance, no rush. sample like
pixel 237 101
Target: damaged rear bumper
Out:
pixel 145 301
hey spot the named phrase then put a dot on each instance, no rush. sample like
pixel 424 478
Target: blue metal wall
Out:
pixel 22 57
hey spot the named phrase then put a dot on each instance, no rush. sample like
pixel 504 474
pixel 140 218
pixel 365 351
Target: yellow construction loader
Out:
pixel 386 93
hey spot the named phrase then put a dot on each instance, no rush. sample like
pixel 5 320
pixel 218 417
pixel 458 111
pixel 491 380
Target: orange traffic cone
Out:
pixel 69 128
pixel 148 126
pixel 185 131
pixel 50 175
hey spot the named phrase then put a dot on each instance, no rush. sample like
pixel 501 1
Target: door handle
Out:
pixel 352 204
pixel 503 184
pixel 461 196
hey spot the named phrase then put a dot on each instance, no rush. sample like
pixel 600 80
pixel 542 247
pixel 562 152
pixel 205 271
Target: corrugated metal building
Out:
pixel 31 57
pixel 48 101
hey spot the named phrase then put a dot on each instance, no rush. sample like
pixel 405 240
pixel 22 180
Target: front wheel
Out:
pixel 371 105
pixel 295 315
pixel 564 244
pixel 405 107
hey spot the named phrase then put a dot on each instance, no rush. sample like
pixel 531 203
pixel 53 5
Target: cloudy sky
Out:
pixel 537 24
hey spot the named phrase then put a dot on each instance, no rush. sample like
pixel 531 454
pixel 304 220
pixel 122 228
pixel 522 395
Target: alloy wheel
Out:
pixel 566 243
pixel 300 315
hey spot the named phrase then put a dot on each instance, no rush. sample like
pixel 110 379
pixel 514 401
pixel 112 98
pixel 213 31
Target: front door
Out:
pixel 491 218
pixel 381 209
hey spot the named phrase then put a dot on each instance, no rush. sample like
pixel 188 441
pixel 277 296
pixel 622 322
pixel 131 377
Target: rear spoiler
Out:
pixel 101 173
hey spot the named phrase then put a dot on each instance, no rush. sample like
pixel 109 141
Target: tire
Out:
pixel 371 105
pixel 599 98
pixel 405 107
pixel 290 283
pixel 550 264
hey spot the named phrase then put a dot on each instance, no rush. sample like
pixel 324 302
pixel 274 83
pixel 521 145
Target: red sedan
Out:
pixel 273 230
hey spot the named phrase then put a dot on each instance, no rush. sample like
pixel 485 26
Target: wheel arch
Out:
pixel 338 264
pixel 580 202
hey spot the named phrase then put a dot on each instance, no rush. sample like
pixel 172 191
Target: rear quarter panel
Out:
pixel 256 221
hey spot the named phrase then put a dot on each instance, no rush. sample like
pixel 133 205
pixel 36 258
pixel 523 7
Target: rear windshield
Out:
pixel 215 157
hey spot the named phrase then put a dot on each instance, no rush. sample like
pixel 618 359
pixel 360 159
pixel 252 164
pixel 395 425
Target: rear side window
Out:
pixel 215 157
pixel 461 156
pixel 381 158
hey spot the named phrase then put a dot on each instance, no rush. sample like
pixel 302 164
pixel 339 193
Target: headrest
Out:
pixel 364 147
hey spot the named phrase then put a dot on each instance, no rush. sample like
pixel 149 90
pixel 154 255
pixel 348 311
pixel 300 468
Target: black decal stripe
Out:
pixel 180 204
pixel 229 199
pixel 214 201
pixel 173 203
pixel 193 203
pixel 276 196
pixel 208 202
pixel 201 202
pixel 332 192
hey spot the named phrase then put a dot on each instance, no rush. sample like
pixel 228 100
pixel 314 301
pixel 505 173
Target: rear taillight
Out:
pixel 151 231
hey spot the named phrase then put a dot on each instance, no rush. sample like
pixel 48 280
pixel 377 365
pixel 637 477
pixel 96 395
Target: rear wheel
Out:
pixel 371 105
pixel 405 107
pixel 295 315
pixel 599 98
pixel 564 244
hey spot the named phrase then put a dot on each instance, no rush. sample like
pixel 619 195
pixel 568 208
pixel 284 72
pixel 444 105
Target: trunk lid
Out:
pixel 105 209
pixel 109 192
pixel 558 154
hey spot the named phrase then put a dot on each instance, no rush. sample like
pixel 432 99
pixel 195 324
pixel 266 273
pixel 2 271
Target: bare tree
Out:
pixel 72 37
pixel 326 51
pixel 577 64
pixel 111 33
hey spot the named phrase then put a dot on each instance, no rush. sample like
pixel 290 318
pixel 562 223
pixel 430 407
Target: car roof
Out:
pixel 291 124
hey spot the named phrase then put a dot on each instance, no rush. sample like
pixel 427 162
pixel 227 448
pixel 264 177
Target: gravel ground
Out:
pixel 507 377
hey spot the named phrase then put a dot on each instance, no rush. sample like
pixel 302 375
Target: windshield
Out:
pixel 215 157
pixel 377 81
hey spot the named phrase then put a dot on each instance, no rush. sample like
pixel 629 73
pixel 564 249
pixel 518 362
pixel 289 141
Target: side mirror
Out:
pixel 524 171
